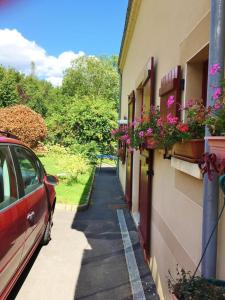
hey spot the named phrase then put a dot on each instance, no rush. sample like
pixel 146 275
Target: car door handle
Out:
pixel 30 217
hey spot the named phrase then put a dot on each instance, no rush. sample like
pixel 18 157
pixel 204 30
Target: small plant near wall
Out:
pixel 188 287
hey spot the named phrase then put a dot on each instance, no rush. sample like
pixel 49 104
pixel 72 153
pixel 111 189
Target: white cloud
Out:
pixel 18 52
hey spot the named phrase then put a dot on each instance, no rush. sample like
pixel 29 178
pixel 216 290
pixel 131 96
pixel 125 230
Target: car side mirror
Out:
pixel 52 180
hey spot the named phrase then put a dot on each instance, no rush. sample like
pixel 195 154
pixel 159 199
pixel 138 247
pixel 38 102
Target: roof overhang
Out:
pixel 131 18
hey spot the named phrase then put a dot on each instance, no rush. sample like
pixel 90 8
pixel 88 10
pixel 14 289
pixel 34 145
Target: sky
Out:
pixel 51 33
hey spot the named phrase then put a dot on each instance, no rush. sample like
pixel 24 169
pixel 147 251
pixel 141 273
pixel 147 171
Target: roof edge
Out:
pixel 131 18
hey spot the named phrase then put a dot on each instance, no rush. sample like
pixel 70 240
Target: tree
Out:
pixel 9 80
pixel 85 121
pixel 93 77
pixel 23 122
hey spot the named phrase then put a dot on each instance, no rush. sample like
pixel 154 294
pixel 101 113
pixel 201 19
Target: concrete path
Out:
pixel 85 259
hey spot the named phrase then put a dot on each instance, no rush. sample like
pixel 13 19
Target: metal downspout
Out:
pixel 211 188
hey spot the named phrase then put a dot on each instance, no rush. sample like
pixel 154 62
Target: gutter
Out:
pixel 130 2
pixel 211 188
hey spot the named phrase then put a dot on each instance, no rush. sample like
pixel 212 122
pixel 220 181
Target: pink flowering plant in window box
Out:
pixel 216 118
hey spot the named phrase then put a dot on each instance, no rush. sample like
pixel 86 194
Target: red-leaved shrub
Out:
pixel 23 122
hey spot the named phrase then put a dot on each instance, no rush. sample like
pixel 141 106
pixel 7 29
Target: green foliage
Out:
pixel 16 88
pixel 9 80
pixel 87 122
pixel 38 94
pixel 93 77
pixel 216 122
pixel 74 192
pixel 71 165
pixel 186 287
pixel 81 113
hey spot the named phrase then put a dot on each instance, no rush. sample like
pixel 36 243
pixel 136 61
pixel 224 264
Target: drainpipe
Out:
pixel 211 188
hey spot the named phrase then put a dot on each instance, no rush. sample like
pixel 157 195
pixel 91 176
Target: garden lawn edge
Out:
pixel 81 207
pixel 85 206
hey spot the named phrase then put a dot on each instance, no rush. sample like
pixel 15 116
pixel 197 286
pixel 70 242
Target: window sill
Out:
pixel 186 167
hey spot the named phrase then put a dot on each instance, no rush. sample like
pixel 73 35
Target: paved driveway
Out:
pixel 56 269
pixel 86 257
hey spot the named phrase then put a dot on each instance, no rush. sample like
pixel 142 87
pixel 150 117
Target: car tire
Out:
pixel 47 234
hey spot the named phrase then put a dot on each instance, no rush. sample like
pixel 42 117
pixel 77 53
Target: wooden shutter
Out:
pixel 148 85
pixel 129 155
pixel 146 167
pixel 170 86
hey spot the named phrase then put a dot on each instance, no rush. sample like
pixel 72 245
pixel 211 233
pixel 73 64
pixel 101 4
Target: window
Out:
pixel 29 170
pixel 8 185
pixel 197 75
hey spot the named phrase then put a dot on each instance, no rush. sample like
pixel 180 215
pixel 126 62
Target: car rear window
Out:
pixel 8 184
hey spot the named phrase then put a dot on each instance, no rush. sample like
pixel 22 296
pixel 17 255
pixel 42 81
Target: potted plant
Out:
pixel 151 132
pixel 192 148
pixel 188 287
pixel 121 153
pixel 146 130
pixel 121 135
pixel 216 119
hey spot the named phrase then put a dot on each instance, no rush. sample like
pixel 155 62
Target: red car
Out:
pixel 27 201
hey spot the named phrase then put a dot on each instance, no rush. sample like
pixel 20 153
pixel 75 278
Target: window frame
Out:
pixel 39 167
pixel 7 146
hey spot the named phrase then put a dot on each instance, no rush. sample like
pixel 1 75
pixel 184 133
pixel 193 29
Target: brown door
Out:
pixel 146 169
pixel 129 160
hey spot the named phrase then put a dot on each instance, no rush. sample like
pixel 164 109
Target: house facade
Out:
pixel 165 42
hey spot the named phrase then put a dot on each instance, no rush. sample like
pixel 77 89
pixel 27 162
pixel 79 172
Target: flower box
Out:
pixel 217 145
pixel 121 153
pixel 190 151
pixel 150 143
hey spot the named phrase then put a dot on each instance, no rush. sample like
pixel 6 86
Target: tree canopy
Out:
pixel 93 77
pixel 81 113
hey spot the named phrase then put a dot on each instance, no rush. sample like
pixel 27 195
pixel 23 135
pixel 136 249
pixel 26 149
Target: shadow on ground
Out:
pixel 103 273
pixel 86 260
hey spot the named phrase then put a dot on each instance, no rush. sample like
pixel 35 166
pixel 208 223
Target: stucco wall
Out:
pixel 172 32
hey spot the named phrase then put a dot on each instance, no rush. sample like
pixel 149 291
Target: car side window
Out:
pixel 8 183
pixel 29 170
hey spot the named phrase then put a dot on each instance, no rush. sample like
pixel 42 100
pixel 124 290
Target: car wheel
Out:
pixel 47 234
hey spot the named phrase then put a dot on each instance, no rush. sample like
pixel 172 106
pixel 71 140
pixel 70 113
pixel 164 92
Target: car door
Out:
pixel 34 194
pixel 13 212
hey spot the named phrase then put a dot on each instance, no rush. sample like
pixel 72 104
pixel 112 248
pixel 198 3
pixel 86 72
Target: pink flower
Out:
pixel 159 122
pixel 214 69
pixel 217 105
pixel 190 103
pixel 141 134
pixel 124 137
pixel 134 123
pixel 130 149
pixel 217 93
pixel 170 101
pixel 113 132
pixel 171 119
pixel 128 141
pixel 149 131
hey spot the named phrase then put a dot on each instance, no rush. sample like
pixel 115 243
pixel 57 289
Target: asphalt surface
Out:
pixel 85 258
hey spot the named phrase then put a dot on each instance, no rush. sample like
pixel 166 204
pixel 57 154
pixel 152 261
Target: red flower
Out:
pixel 182 127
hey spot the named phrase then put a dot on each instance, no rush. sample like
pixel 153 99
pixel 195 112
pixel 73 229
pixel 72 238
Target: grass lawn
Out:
pixel 75 193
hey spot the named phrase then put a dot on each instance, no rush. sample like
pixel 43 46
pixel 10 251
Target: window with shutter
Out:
pixel 170 86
